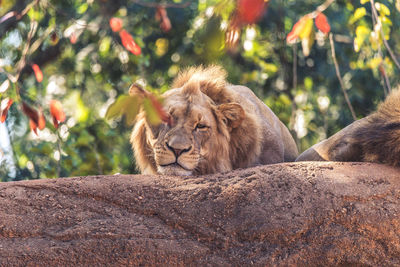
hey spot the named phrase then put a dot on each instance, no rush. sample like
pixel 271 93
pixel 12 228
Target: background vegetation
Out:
pixel 86 66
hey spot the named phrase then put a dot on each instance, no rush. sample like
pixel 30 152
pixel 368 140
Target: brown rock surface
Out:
pixel 315 213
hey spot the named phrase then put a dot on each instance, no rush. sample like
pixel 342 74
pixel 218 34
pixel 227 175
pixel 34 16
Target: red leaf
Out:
pixel 116 24
pixel 250 11
pixel 161 14
pixel 296 30
pixel 30 112
pixel 165 25
pixel 73 38
pixel 42 120
pixel 55 122
pixel 4 110
pixel 129 43
pixel 33 126
pixel 164 116
pixel 38 73
pixel 56 110
pixel 321 21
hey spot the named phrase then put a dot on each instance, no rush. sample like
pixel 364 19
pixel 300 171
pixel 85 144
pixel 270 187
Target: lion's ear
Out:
pixel 233 113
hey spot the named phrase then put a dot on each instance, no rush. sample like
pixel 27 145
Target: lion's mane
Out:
pixel 246 132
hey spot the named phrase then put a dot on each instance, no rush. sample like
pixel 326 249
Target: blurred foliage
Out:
pixel 86 67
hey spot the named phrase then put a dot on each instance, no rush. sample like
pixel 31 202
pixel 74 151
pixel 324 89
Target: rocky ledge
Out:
pixel 315 213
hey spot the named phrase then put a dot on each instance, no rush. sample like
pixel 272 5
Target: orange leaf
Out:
pixel 129 43
pixel 116 24
pixel 321 21
pixel 296 30
pixel 56 110
pixel 4 110
pixel 55 122
pixel 38 73
pixel 73 38
pixel 42 120
pixel 250 11
pixel 30 112
pixel 33 126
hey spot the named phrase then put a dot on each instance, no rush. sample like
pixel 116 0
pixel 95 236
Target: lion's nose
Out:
pixel 178 151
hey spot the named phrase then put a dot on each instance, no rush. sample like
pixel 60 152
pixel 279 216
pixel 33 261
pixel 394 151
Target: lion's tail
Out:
pixel 379 139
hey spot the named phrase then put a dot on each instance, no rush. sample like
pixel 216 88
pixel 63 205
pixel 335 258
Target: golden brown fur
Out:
pixel 375 138
pixel 216 127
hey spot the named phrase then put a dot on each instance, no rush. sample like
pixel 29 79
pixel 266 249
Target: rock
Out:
pixel 314 213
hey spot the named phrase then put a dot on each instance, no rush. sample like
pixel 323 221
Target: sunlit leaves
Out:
pixel 4 107
pixel 358 14
pixel 321 21
pixel 375 63
pixel 38 72
pixel 362 33
pixel 383 10
pixel 398 5
pixel 116 24
pixel 129 43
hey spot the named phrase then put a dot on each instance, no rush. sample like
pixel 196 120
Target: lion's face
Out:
pixel 199 139
pixel 180 148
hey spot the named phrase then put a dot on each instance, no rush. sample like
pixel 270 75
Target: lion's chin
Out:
pixel 173 169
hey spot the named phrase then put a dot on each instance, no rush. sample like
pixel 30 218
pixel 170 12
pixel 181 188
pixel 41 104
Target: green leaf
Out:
pixel 151 113
pixel 131 109
pixel 358 14
pixel 82 8
pixel 116 108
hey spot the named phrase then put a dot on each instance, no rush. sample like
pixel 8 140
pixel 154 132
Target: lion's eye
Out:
pixel 201 126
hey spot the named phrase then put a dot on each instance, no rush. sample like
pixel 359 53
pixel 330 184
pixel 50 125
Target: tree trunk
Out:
pixel 315 213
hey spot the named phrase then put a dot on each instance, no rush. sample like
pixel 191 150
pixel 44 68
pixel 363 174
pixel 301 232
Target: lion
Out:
pixel 375 138
pixel 217 127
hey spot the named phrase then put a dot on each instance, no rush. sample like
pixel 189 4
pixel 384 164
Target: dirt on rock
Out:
pixel 307 214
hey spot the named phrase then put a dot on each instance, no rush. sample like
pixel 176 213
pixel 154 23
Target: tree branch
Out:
pixel 353 114
pixel 165 5
pixel 11 18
